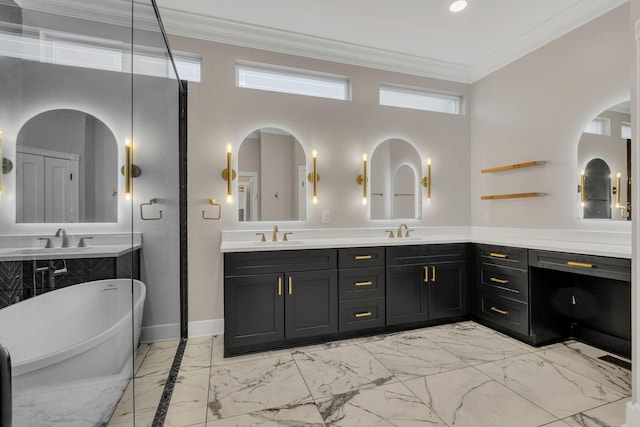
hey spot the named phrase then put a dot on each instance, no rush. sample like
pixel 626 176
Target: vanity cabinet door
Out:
pixel 311 304
pixel 254 310
pixel 447 289
pixel 407 294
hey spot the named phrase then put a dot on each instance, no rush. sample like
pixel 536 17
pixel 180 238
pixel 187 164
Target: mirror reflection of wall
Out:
pixel 395 181
pixel 604 150
pixel 66 169
pixel 271 177
pixel 597 190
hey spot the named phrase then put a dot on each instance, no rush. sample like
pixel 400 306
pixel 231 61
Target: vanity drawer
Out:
pixel 361 314
pixel 511 314
pixel 425 254
pixel 250 263
pixel 510 282
pixel 361 257
pixel 502 255
pixel 357 283
pixel 590 265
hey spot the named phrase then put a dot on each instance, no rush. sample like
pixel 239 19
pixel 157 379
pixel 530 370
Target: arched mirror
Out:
pixel 66 169
pixel 597 190
pixel 604 156
pixel 395 181
pixel 272 175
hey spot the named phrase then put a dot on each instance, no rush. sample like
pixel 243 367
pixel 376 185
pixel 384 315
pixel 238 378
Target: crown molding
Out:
pixel 111 12
pixel 571 18
pixel 186 24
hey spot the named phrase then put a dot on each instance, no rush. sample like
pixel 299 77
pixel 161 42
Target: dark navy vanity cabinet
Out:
pixel 274 297
pixel 541 296
pixel 282 298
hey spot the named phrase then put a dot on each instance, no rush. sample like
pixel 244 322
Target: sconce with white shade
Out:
pixel 228 174
pixel 313 177
pixel 362 179
pixel 129 169
pixel 426 181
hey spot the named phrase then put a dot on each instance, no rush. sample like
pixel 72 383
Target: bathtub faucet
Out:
pixel 65 239
pixel 53 272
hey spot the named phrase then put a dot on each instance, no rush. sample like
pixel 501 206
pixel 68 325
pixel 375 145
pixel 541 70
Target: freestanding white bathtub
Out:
pixel 76 333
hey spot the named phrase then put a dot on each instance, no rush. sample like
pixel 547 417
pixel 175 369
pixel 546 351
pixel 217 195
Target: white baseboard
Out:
pixel 205 328
pixel 160 333
pixel 633 415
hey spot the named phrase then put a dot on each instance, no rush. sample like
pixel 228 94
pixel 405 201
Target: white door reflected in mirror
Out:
pixel 395 181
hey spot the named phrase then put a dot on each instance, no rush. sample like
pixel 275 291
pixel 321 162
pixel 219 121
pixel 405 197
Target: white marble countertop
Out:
pixel 610 244
pixel 28 247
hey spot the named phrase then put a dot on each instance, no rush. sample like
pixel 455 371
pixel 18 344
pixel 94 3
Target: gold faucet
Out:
pixel 274 237
pixel 400 230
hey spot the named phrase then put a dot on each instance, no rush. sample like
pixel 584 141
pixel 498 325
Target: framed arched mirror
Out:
pixel 395 183
pixel 272 175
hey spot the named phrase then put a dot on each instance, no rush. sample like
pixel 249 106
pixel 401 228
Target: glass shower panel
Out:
pixel 70 299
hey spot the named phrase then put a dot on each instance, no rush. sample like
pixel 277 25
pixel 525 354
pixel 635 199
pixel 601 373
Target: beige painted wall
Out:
pixel 220 113
pixel 536 109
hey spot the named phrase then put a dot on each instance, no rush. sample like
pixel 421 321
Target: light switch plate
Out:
pixel 326 217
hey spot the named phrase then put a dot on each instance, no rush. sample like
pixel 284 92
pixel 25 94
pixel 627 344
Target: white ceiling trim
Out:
pixel 186 24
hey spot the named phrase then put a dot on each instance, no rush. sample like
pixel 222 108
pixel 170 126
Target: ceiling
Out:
pixel 413 36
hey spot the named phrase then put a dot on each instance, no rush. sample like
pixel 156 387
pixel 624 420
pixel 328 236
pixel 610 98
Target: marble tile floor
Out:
pixel 462 374
pixel 152 365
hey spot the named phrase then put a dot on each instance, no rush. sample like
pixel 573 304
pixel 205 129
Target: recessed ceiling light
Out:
pixel 458 6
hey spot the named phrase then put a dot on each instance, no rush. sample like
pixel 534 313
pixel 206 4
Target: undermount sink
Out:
pixel 279 243
pixel 32 251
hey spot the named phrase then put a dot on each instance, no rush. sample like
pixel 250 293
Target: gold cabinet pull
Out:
pixel 290 285
pixel 279 286
pixel 433 274
pixel 426 275
pixel 364 314
pixel 363 283
pixel 361 257
pixel 579 264
pixel 497 310
pixel 501 281
pixel 497 255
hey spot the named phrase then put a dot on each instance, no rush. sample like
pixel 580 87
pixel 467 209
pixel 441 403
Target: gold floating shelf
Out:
pixel 511 167
pixel 512 196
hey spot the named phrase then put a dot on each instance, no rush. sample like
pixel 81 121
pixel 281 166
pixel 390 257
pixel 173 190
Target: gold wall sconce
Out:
pixel 313 177
pixel 583 195
pixel 426 181
pixel 129 170
pixel 362 179
pixel 228 174
pixel 7 166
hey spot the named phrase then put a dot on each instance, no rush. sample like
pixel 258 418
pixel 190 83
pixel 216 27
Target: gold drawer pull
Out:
pixel 497 310
pixel 496 255
pixel 363 283
pixel 433 274
pixel 279 286
pixel 503 282
pixel 426 275
pixel 290 285
pixel 579 264
pixel 365 314
pixel 361 257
